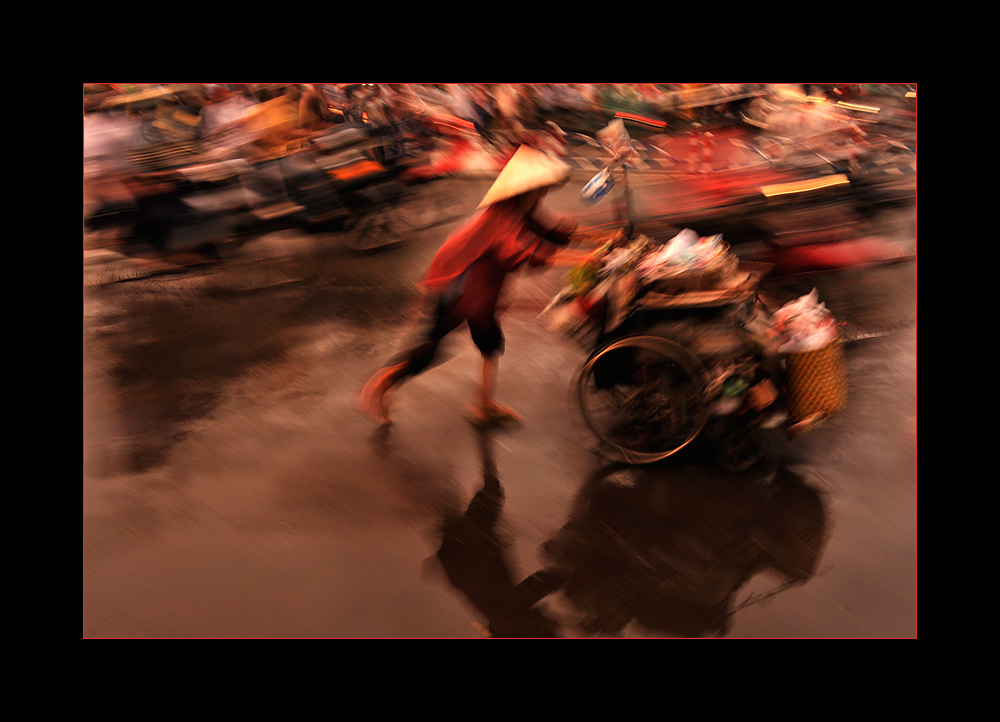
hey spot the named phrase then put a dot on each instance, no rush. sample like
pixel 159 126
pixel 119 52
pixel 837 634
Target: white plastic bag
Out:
pixel 616 139
pixel 804 324
pixel 687 250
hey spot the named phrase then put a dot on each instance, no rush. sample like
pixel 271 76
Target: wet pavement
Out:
pixel 232 490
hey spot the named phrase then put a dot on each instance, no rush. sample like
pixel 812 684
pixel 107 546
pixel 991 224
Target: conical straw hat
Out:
pixel 527 170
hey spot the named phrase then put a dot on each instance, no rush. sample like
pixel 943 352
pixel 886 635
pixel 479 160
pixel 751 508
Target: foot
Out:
pixel 372 401
pixel 491 414
pixel 374 409
pixel 503 414
pixel 477 418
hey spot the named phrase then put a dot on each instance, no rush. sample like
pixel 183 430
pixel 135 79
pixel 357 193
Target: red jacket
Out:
pixel 471 266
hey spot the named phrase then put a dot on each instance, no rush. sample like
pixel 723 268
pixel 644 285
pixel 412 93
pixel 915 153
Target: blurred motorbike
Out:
pixel 329 180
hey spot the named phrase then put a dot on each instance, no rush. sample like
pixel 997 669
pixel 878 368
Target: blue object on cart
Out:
pixel 598 187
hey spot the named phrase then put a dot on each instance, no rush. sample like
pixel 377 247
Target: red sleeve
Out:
pixel 542 254
pixel 555 231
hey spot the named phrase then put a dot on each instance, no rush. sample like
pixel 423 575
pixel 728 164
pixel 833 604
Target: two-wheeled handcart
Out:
pixel 681 346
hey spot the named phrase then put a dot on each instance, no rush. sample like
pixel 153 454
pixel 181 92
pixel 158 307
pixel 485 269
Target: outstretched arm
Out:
pixel 586 241
pixel 562 235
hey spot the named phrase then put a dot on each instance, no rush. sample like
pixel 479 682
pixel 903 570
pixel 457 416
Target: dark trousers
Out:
pixel 441 319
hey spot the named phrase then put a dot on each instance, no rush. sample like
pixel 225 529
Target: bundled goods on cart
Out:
pixel 597 293
pixel 690 263
pixel 606 285
pixel 618 142
pixel 808 338
pixel 691 271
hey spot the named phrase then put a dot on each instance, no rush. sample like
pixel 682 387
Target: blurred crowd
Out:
pixel 225 116
pixel 254 117
pixel 156 141
pixel 152 151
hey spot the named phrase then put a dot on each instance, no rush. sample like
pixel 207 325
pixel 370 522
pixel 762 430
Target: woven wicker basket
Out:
pixel 817 382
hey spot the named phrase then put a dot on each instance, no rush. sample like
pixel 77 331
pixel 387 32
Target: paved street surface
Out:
pixel 232 490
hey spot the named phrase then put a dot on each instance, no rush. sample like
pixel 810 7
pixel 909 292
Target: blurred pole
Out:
pixel 629 205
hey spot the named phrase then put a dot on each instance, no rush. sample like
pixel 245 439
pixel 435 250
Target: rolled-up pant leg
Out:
pixel 487 335
pixel 441 320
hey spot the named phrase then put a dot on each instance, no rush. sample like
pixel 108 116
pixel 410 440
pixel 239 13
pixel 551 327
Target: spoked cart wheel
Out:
pixel 644 397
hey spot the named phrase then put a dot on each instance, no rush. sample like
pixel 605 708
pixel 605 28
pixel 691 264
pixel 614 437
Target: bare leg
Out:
pixel 487 410
pixel 491 365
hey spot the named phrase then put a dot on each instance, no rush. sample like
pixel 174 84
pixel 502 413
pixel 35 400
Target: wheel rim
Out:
pixel 643 397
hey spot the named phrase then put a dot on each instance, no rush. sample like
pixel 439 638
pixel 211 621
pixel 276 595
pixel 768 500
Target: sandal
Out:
pixel 477 419
pixel 501 415
pixel 496 416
